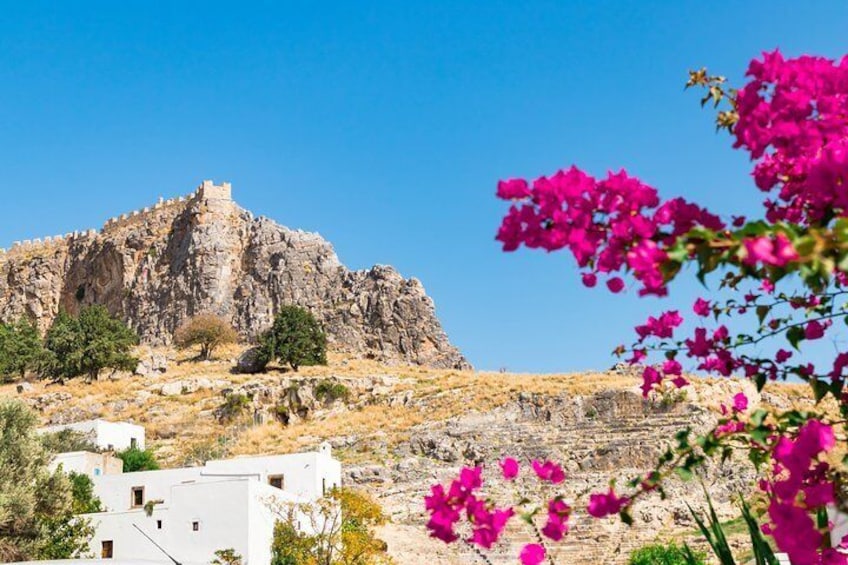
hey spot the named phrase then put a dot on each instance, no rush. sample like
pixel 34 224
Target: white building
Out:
pixel 87 463
pixel 108 436
pixel 191 513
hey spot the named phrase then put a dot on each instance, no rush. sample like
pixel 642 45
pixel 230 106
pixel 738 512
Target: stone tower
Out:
pixel 210 191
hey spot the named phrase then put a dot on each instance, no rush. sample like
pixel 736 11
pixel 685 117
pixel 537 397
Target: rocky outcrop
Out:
pixel 205 254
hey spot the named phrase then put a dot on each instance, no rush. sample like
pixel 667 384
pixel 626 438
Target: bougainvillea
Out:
pixel 787 278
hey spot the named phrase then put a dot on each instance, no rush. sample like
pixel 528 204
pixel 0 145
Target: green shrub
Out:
pixel 295 339
pixel 329 391
pixel 87 344
pixel 136 460
pixel 658 554
pixel 234 407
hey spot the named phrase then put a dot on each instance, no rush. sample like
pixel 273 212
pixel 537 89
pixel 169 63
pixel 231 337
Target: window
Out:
pixel 106 549
pixel 195 526
pixel 97 471
pixel 137 497
pixel 158 524
pixel 277 481
pixel 324 487
pixel 133 443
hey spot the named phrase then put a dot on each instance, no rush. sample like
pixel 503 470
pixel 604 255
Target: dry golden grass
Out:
pixel 179 424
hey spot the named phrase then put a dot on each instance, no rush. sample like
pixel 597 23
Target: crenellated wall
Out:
pixel 207 190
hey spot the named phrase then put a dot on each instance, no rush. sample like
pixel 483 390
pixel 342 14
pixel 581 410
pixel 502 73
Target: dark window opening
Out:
pixel 324 487
pixel 133 443
pixel 137 497
pixel 195 526
pixel 106 549
pixel 158 524
pixel 277 481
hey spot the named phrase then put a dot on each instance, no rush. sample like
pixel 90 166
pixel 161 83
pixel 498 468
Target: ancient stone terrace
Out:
pixel 207 191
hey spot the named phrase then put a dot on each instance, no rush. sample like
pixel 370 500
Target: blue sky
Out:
pixel 385 127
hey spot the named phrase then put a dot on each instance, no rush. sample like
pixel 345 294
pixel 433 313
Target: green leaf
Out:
pixel 762 312
pixel 820 389
pixel 795 335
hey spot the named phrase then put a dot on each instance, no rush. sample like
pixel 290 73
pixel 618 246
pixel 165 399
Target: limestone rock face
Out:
pixel 205 254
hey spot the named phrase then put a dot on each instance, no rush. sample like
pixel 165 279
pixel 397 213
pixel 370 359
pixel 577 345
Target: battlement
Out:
pixel 210 191
pixel 207 190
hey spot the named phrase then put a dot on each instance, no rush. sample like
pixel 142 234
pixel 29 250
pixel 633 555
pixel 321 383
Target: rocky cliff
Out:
pixel 205 254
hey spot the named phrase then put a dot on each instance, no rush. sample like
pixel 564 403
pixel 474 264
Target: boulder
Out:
pixel 152 365
pixel 250 362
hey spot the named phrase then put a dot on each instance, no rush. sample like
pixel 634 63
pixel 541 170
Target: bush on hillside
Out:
pixel 295 339
pixel 20 349
pixel 207 331
pixel 659 554
pixel 137 460
pixel 234 406
pixel 87 344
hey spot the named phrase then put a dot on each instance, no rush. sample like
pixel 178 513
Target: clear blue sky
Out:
pixel 385 126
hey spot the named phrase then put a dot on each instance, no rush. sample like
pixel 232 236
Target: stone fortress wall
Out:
pixel 207 190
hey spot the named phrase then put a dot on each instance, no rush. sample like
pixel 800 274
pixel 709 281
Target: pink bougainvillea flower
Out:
pixel 702 307
pixel 782 356
pixel 814 330
pixel 532 554
pixel 487 523
pixel 740 402
pixel 650 378
pixel 679 381
pixel 589 280
pixel 558 515
pixel 509 468
pixel 605 504
pixel 513 189
pixel 615 284
pixel 549 471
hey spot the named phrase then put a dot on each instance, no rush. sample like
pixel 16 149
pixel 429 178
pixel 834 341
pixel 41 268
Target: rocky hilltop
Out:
pixel 204 254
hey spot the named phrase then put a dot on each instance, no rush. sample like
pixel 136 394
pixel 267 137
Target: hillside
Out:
pixel 156 267
pixel 398 429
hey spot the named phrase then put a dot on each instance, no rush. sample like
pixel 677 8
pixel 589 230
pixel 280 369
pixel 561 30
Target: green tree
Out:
pixel 291 547
pixel 89 343
pixel 21 349
pixel 36 505
pixel 344 523
pixel 67 441
pixel 136 460
pixel 82 490
pixel 295 338
pixel 207 331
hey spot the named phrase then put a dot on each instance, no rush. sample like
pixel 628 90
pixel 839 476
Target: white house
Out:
pixel 107 436
pixel 87 463
pixel 190 513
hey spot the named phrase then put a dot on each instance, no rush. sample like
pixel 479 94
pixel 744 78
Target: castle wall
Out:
pixel 208 190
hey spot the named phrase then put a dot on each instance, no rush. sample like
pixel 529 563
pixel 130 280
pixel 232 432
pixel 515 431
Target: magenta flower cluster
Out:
pixel 609 226
pixel 792 121
pixel 798 489
pixel 447 507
